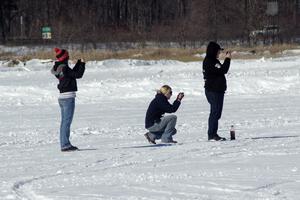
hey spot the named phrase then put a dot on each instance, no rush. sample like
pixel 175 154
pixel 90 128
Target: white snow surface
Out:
pixel 116 162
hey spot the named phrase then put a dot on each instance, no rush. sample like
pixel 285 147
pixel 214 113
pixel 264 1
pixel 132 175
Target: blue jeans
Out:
pixel 215 99
pixel 164 130
pixel 67 107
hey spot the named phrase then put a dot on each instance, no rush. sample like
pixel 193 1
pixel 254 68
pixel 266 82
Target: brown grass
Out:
pixel 259 51
pixel 179 54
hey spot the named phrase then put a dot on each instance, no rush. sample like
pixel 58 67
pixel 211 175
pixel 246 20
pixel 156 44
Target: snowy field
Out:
pixel 116 162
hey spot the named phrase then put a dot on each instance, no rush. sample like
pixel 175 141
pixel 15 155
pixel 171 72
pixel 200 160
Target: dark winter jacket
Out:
pixel 67 76
pixel 213 71
pixel 159 106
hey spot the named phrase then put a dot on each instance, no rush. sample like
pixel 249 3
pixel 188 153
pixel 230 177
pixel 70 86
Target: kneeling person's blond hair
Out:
pixel 165 89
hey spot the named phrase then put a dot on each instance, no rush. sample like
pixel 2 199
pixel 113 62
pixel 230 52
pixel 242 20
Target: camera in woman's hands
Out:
pixel 228 54
pixel 180 96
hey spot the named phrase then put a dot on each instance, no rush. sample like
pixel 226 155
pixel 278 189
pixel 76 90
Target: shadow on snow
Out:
pixel 147 146
pixel 274 137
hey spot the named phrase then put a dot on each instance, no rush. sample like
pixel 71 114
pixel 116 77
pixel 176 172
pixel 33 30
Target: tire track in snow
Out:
pixel 22 194
pixel 25 194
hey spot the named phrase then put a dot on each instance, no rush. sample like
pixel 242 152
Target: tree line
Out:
pixel 77 21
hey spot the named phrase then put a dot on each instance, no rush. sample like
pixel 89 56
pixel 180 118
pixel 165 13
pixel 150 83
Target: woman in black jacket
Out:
pixel 215 86
pixel 67 87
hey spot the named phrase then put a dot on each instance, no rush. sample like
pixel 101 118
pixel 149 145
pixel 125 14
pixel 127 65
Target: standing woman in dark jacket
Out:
pixel 159 126
pixel 67 87
pixel 215 86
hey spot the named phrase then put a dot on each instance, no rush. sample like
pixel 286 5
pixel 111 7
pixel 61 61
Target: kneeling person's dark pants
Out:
pixel 215 99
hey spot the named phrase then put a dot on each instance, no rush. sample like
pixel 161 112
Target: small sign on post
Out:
pixel 46 33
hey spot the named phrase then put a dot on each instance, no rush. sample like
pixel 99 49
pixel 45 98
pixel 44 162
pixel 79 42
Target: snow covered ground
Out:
pixel 116 162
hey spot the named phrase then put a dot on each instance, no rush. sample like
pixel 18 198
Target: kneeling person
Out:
pixel 159 126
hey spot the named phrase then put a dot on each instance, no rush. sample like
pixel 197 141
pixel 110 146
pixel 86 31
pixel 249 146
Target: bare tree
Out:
pixel 92 21
pixel 8 9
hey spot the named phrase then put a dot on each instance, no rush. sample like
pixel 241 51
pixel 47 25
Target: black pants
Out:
pixel 215 99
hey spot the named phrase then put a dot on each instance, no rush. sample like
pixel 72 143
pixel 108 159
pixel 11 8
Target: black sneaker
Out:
pixel 220 138
pixel 71 148
pixel 217 138
pixel 149 139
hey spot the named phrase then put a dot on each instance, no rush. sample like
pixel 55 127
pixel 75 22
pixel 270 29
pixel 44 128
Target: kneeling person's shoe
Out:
pixel 149 139
pixel 170 141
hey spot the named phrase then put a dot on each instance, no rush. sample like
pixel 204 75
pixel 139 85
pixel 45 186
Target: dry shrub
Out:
pixel 259 51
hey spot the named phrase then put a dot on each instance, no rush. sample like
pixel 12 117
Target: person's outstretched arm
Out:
pixel 78 70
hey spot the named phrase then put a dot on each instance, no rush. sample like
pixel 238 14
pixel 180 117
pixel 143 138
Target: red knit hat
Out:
pixel 61 54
